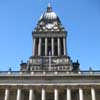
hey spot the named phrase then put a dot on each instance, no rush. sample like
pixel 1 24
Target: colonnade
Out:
pixel 58 44
pixel 43 94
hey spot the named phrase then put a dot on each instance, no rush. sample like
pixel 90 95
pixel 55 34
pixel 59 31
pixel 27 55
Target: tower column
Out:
pixel 6 94
pixel 59 51
pixel 39 47
pixel 34 46
pixel 64 45
pixel 68 94
pixel 52 46
pixel 19 94
pixel 46 43
pixel 55 94
pixel 80 94
pixel 93 94
pixel 43 94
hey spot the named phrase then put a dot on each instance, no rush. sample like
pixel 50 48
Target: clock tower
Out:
pixel 49 46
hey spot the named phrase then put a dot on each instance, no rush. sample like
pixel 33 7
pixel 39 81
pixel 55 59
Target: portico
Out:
pixel 42 93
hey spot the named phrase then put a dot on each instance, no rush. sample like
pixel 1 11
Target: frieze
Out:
pixel 49 35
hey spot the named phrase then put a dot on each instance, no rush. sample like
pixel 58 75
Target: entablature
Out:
pixel 55 35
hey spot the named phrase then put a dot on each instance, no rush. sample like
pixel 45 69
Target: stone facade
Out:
pixel 49 85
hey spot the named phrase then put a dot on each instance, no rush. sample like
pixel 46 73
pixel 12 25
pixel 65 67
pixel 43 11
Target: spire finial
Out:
pixel 49 8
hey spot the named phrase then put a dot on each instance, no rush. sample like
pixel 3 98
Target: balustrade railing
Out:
pixel 51 73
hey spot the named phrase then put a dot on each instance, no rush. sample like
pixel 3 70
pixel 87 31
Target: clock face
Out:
pixel 55 27
pixel 60 61
pixel 49 26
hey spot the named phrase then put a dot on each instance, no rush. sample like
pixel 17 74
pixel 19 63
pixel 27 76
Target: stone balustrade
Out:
pixel 64 73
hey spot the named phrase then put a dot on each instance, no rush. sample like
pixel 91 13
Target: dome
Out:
pixel 49 21
pixel 49 14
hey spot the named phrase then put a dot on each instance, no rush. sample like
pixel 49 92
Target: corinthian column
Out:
pixel 55 94
pixel 39 47
pixel 43 94
pixel 59 51
pixel 19 94
pixel 80 94
pixel 93 94
pixel 31 94
pixel 52 46
pixel 34 47
pixel 6 94
pixel 64 45
pixel 68 94
pixel 46 43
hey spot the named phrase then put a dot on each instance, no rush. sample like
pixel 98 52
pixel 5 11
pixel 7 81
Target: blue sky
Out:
pixel 80 17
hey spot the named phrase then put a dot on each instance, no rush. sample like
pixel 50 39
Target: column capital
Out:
pixel 56 87
pixel 43 86
pixel 31 87
pixel 8 87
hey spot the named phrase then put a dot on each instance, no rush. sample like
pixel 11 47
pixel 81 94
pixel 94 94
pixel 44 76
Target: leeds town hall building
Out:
pixel 49 74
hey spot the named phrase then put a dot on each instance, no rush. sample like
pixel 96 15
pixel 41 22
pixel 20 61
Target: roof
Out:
pixel 49 21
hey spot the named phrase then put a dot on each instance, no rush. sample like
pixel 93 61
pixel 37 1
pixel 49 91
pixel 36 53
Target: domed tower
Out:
pixel 49 45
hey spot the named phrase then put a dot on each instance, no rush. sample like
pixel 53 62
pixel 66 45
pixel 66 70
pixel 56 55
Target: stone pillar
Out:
pixel 64 45
pixel 43 97
pixel 52 46
pixel 34 47
pixel 31 94
pixel 93 94
pixel 55 94
pixel 6 94
pixel 19 94
pixel 80 94
pixel 39 47
pixel 68 94
pixel 46 46
pixel 59 51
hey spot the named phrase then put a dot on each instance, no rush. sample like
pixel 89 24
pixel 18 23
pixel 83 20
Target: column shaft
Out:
pixel 55 94
pixel 80 94
pixel 39 47
pixel 34 47
pixel 43 94
pixel 68 94
pixel 6 94
pixel 59 51
pixel 46 43
pixel 93 94
pixel 52 46
pixel 31 94
pixel 19 94
pixel 64 45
